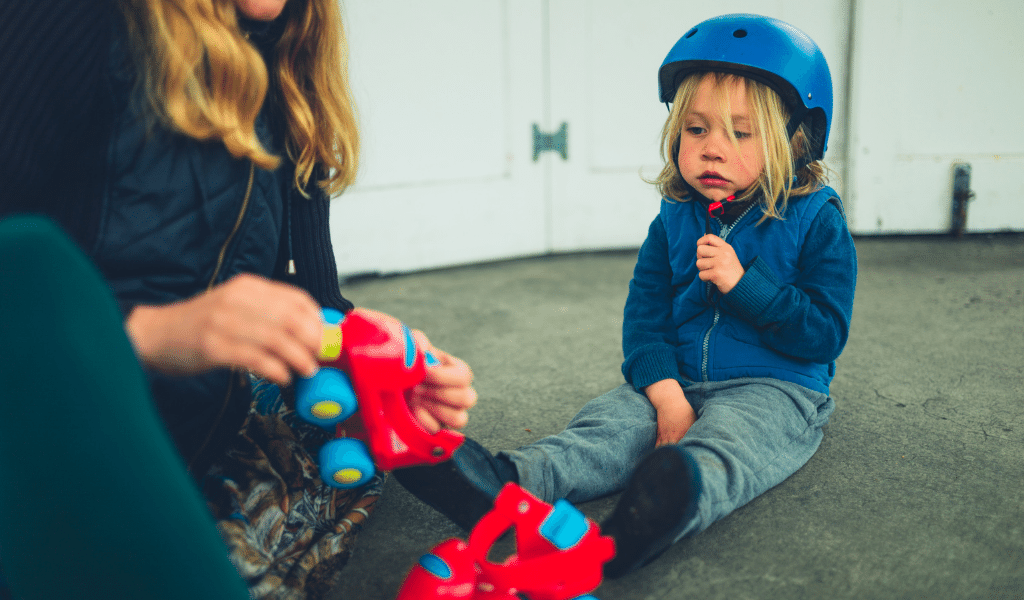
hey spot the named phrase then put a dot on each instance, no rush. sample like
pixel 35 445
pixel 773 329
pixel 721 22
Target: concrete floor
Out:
pixel 917 490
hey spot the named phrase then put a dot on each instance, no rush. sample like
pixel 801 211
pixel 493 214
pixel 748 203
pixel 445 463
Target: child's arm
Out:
pixel 809 319
pixel 648 333
pixel 649 338
pixel 675 415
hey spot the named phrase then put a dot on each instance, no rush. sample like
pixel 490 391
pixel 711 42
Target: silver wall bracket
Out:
pixel 551 142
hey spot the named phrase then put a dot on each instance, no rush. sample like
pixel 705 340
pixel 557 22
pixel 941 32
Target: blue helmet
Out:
pixel 763 49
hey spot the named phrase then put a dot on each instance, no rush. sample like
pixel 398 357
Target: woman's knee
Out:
pixel 36 254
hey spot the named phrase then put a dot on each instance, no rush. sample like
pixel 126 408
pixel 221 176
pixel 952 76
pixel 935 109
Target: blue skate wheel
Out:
pixel 345 463
pixel 326 398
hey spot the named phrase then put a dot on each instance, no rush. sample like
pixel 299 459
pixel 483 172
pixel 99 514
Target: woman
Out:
pixel 189 148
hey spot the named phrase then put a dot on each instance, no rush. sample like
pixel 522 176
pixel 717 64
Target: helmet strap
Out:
pixel 795 121
pixel 791 127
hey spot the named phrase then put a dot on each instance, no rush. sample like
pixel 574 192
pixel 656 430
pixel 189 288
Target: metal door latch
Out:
pixel 551 142
pixel 962 194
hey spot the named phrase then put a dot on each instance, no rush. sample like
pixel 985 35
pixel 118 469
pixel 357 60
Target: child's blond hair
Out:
pixel 202 78
pixel 769 116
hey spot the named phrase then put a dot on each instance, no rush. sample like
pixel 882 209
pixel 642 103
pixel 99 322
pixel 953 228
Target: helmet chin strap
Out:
pixel 795 122
pixel 715 208
pixel 791 127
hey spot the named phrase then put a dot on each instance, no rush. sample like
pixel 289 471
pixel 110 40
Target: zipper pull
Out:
pixel 291 266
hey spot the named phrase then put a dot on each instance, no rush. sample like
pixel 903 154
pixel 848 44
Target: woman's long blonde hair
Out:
pixel 204 79
pixel 769 116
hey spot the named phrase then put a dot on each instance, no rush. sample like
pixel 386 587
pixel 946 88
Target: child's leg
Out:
pixel 94 500
pixel 751 434
pixel 595 454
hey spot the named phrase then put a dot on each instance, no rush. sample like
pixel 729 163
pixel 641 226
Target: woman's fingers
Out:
pixel 268 309
pixel 423 403
pixel 452 373
pixel 272 328
pixel 446 393
pixel 267 327
pixel 260 363
pixel 425 419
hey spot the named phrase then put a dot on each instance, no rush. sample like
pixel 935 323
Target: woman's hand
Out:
pixel 718 263
pixel 675 415
pixel 444 398
pixel 270 328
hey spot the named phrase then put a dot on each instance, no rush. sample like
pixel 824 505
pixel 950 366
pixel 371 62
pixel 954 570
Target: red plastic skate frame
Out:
pixel 560 555
pixel 383 363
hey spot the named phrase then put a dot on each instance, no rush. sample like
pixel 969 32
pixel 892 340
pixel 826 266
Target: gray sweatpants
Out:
pixel 749 436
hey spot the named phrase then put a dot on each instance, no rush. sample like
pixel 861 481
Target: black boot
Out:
pixel 463 488
pixel 658 503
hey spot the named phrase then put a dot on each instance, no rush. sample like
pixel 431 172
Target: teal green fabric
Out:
pixel 94 500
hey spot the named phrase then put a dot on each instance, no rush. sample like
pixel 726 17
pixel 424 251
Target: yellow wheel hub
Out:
pixel 330 342
pixel 346 476
pixel 326 409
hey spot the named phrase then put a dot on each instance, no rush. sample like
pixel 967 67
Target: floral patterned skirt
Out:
pixel 288 534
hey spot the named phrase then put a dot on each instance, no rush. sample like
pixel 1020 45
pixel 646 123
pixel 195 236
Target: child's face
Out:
pixel 708 158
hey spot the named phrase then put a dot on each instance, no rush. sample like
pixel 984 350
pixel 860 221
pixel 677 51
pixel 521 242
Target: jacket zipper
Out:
pixel 723 233
pixel 234 230
pixel 213 280
pixel 704 352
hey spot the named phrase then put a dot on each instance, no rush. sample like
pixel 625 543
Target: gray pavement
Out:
pixel 917 490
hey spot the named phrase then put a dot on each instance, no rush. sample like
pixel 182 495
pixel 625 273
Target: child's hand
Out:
pixel 675 415
pixel 444 398
pixel 718 263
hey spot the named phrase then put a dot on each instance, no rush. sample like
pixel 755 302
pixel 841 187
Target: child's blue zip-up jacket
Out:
pixel 788 318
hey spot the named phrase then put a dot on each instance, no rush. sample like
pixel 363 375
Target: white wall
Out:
pixel 448 92
pixel 936 82
pixel 604 61
pixel 445 91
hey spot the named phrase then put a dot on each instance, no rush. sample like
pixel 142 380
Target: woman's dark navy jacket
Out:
pixel 162 215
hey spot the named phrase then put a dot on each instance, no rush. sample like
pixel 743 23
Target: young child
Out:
pixel 739 305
